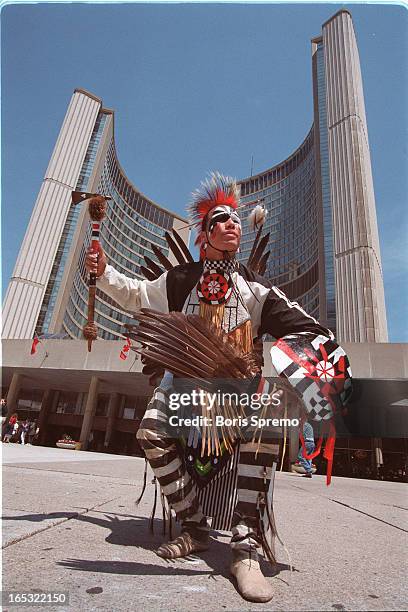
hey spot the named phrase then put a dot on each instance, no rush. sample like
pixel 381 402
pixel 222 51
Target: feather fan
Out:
pixel 190 347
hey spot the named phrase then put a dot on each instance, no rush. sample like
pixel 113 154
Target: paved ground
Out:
pixel 70 523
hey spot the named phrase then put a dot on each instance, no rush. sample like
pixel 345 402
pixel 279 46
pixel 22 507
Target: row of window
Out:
pixel 326 195
pixel 154 233
pixel 292 245
pixel 74 313
pixel 129 236
pixel 77 307
pixel 300 180
pixel 291 221
pixel 280 172
pixel 81 298
pixel 65 243
pixel 72 402
pixel 123 264
pixel 57 271
pixel 149 210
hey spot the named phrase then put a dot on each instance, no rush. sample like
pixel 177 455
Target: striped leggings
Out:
pixel 166 461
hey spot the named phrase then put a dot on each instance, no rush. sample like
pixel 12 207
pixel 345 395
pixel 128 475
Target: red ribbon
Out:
pixel 125 349
pixel 328 452
pixel 34 345
pixel 315 452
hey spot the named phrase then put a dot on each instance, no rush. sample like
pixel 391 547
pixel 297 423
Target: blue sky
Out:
pixel 197 87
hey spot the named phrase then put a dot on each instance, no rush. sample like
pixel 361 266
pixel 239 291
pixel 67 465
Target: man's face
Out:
pixel 224 229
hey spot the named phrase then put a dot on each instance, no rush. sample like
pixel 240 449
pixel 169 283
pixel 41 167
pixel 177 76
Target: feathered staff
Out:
pixel 97 211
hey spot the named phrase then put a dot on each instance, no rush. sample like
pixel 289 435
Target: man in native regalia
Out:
pixel 201 319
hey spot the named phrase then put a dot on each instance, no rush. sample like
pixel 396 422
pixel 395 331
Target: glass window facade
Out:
pixel 29 400
pixel 132 224
pixel 288 192
pixel 69 402
pixel 132 407
pixel 57 271
pixel 326 198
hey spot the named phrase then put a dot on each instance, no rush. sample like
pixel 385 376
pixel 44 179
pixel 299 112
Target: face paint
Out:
pixel 221 214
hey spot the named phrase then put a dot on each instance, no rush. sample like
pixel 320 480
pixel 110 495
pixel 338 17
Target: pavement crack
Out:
pixel 353 508
pixel 38 469
pixel 301 489
pixel 367 514
pixel 75 515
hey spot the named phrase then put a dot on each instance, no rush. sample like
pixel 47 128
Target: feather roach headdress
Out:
pixel 216 190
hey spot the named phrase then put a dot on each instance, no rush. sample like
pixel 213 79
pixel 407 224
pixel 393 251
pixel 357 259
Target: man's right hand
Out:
pixel 95 260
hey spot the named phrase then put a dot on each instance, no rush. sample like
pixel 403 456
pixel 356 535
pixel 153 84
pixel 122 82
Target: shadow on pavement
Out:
pixel 131 530
pixel 129 567
pixel 135 532
pixel 37 518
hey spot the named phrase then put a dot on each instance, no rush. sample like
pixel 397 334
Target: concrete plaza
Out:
pixel 70 523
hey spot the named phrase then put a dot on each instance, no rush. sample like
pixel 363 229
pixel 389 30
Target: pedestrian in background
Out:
pixel 308 436
pixel 16 432
pixel 3 412
pixel 9 432
pixel 32 432
pixel 24 431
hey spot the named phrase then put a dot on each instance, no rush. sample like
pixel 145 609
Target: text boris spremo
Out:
pixel 254 401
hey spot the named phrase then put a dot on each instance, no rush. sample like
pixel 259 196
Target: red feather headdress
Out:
pixel 216 190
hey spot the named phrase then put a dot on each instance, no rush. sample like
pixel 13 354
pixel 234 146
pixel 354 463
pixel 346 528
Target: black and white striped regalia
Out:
pixel 234 492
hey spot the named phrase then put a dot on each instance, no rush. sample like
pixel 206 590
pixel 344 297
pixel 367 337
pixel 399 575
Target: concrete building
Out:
pixel 321 209
pixel 324 253
pixel 49 287
pixel 321 214
pixel 100 400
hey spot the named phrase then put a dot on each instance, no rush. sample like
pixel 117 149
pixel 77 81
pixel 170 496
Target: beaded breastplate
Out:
pixel 217 299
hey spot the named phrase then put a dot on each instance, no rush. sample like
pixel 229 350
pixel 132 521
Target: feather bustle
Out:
pixel 153 266
pixel 259 250
pixel 148 273
pixel 262 263
pixel 182 245
pixel 161 257
pixel 174 248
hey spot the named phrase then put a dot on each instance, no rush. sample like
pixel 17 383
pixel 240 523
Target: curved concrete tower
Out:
pixel 359 289
pixel 48 290
pixel 322 221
